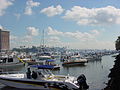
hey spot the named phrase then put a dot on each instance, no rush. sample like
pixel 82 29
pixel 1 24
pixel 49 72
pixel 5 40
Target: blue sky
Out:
pixel 78 24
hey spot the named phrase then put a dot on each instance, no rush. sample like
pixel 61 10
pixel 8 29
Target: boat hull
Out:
pixel 20 84
pixel 37 84
pixel 73 63
pixel 11 65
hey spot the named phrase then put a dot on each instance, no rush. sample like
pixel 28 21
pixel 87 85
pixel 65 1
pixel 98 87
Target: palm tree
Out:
pixel 117 43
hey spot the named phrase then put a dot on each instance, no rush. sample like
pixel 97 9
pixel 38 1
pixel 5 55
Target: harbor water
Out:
pixel 96 72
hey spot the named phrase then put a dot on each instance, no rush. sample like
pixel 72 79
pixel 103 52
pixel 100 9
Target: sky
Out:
pixel 75 24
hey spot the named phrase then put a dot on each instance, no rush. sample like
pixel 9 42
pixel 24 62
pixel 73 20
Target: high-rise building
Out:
pixel 4 40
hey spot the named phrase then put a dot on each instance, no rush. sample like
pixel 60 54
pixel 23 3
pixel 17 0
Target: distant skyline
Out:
pixel 76 24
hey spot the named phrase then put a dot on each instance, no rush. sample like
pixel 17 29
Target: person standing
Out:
pixel 28 73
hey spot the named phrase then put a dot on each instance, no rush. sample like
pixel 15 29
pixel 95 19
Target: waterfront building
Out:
pixel 4 39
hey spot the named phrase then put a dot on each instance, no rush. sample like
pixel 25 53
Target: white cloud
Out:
pixel 94 16
pixel 17 15
pixel 54 39
pixel 27 38
pixel 76 35
pixel 13 38
pixel 32 31
pixel 95 44
pixel 51 31
pixel 30 4
pixel 16 41
pixel 52 11
pixel 4 4
pixel 1 27
pixel 78 40
pixel 95 32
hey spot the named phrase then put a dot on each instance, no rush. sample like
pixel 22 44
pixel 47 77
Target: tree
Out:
pixel 117 43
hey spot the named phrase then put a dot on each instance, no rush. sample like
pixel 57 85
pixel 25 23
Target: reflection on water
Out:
pixel 96 72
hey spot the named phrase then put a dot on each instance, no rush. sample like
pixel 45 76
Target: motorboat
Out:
pixel 33 61
pixel 52 67
pixel 9 61
pixel 74 60
pixel 38 59
pixel 48 64
pixel 51 62
pixel 41 79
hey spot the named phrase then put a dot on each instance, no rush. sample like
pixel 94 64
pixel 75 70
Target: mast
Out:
pixel 43 38
pixel 43 41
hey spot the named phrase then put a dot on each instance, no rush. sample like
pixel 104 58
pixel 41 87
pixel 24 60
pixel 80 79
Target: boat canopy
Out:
pixel 50 60
pixel 45 53
pixel 43 66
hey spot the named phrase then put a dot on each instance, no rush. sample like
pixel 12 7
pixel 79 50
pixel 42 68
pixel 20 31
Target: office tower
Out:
pixel 4 40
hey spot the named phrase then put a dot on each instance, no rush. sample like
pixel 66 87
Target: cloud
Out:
pixel 32 31
pixel 95 32
pixel 54 39
pixel 51 31
pixel 17 15
pixel 1 27
pixel 4 4
pixel 76 35
pixel 95 44
pixel 78 40
pixel 30 4
pixel 13 38
pixel 94 16
pixel 52 11
pixel 16 41
pixel 27 38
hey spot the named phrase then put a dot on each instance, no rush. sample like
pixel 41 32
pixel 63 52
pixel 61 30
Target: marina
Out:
pixel 96 72
pixel 59 45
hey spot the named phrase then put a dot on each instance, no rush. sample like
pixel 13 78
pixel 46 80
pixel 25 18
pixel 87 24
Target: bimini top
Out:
pixel 50 60
pixel 42 66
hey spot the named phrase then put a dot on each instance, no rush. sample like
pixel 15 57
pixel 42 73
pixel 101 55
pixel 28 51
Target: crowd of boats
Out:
pixel 38 75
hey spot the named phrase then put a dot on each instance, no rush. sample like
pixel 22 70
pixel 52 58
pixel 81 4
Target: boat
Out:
pixel 9 61
pixel 52 67
pixel 38 59
pixel 34 60
pixel 49 64
pixel 44 56
pixel 40 79
pixel 74 60
pixel 93 57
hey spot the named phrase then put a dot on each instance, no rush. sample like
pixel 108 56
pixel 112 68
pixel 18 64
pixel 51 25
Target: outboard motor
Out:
pixel 82 82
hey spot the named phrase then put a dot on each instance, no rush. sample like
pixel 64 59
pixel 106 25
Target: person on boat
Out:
pixel 82 82
pixel 34 75
pixel 28 73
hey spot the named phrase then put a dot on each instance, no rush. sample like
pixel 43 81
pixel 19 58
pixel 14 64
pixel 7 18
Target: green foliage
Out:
pixel 117 44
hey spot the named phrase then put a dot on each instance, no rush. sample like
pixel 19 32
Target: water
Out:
pixel 96 72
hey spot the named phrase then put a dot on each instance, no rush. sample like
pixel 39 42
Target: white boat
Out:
pixel 38 59
pixel 42 80
pixel 9 61
pixel 93 57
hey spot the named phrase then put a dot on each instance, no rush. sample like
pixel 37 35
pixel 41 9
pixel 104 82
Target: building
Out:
pixel 4 40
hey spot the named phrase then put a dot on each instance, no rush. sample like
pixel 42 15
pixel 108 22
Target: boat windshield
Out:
pixel 43 71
